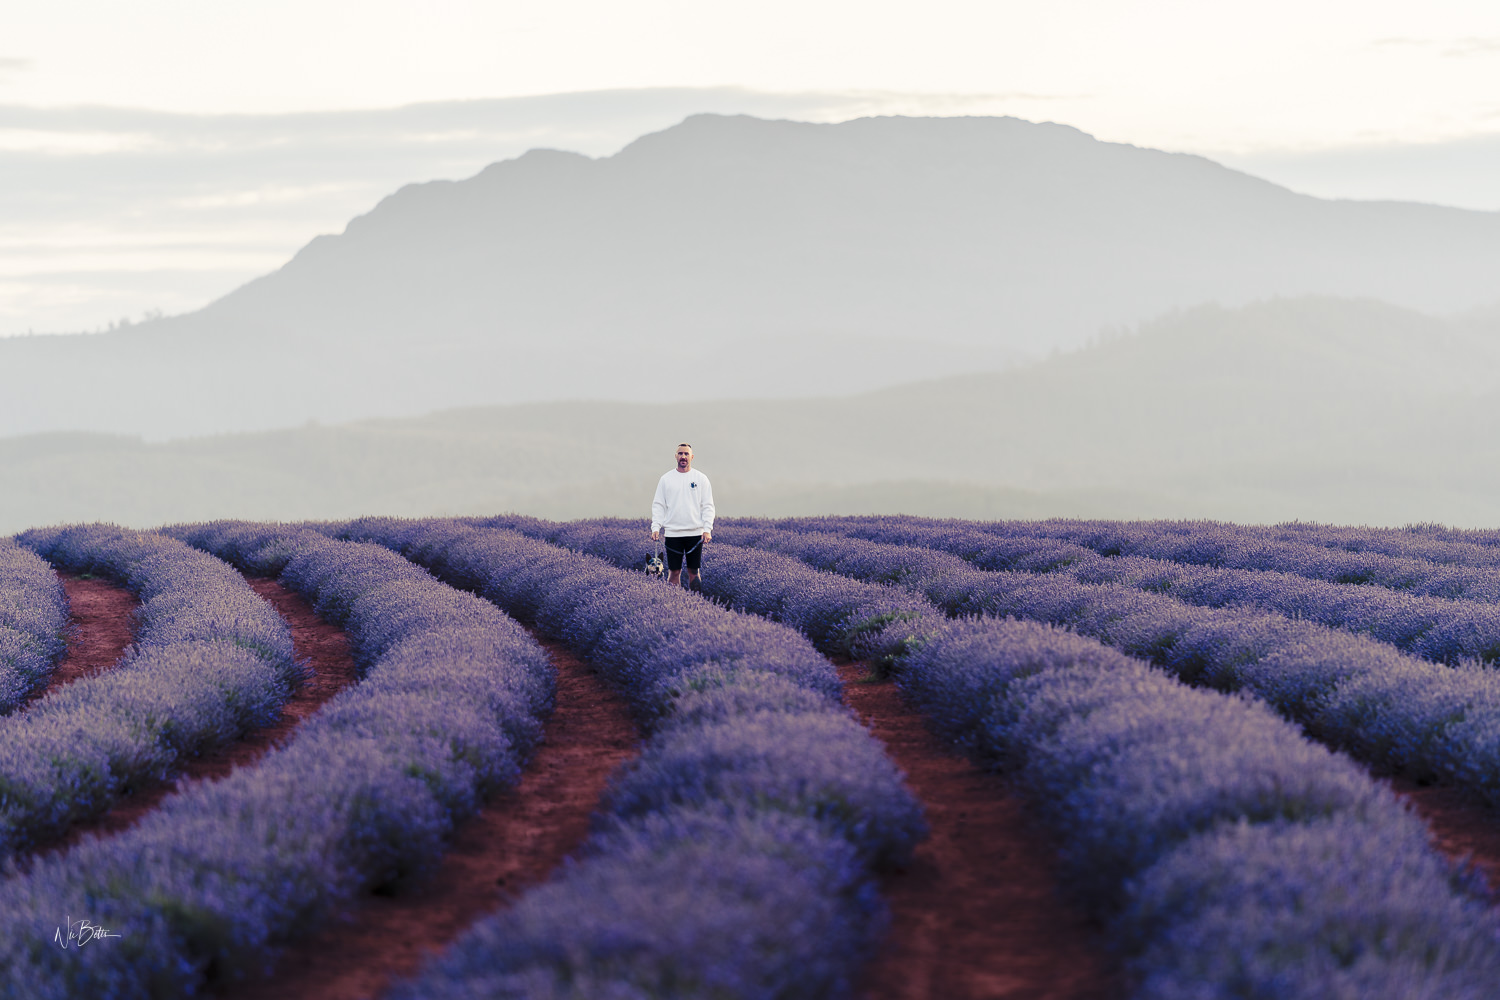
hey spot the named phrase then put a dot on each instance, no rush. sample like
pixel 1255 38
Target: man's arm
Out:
pixel 706 509
pixel 658 509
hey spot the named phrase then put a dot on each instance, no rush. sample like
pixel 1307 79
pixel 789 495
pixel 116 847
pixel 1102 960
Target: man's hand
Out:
pixel 708 536
pixel 655 535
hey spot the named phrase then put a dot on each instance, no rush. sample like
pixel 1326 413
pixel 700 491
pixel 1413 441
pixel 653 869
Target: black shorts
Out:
pixel 690 546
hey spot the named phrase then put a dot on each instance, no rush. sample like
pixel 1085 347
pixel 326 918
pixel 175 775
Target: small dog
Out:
pixel 655 567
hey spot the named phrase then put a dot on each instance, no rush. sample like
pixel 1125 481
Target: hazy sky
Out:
pixel 1177 73
pixel 108 212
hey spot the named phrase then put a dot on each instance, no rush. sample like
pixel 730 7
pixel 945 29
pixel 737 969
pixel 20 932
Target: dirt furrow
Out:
pixel 515 842
pixel 101 619
pixel 977 914
pixel 1461 827
pixel 327 651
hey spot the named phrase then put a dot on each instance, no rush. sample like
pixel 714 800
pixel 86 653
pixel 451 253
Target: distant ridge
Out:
pixel 737 257
pixel 1312 409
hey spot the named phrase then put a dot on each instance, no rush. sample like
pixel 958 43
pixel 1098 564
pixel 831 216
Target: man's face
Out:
pixel 684 459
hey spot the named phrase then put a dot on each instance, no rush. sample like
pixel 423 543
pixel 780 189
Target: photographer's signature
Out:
pixel 77 933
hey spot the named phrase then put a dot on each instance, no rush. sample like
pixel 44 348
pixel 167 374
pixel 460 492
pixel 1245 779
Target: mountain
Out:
pixel 736 257
pixel 1312 409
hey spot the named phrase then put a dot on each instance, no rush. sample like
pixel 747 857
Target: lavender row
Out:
pixel 734 857
pixel 1230 856
pixel 1429 542
pixel 1481 537
pixel 1234 547
pixel 1417 543
pixel 1226 546
pixel 1431 722
pixel 204 889
pixel 33 623
pixel 186 596
pixel 1200 543
pixel 1432 628
pixel 212 662
pixel 839 615
pixel 1438 629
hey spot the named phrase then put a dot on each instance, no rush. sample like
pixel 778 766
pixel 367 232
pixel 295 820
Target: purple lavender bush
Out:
pixel 1426 542
pixel 840 616
pixel 1232 547
pixel 1435 628
pixel 1326 908
pixel 212 661
pixel 208 886
pixel 1146 781
pixel 250 546
pixel 1431 722
pixel 186 596
pixel 733 857
pixel 75 753
pixel 33 624
pixel 683 903
pixel 1148 784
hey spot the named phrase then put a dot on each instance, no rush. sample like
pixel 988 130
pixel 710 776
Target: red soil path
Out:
pixel 977 914
pixel 101 626
pixel 1461 827
pixel 327 651
pixel 516 842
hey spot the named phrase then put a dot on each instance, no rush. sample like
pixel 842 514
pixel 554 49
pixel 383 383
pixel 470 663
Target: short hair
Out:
pixel 684 444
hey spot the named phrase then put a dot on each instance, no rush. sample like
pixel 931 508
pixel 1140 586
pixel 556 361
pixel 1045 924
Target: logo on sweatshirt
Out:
pixel 692 486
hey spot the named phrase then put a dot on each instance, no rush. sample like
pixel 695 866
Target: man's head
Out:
pixel 684 457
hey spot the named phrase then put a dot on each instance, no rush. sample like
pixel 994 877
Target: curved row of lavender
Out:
pixel 1230 856
pixel 1479 547
pixel 33 623
pixel 1431 542
pixel 1443 630
pixel 734 857
pixel 1234 547
pixel 211 662
pixel 1431 722
pixel 203 889
pixel 840 616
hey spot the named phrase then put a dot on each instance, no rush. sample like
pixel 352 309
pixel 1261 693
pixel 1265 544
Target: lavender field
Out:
pixel 1243 751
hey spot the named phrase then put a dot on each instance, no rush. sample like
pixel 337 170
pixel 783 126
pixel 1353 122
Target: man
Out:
pixel 683 508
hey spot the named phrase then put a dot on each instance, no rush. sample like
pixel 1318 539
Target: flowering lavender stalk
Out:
pixel 33 623
pixel 733 857
pixel 212 661
pixel 1152 786
pixel 209 884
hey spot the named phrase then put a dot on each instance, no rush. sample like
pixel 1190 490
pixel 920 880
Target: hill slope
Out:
pixel 1305 409
pixel 730 256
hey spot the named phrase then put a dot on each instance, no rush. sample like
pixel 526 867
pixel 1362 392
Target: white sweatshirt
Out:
pixel 683 505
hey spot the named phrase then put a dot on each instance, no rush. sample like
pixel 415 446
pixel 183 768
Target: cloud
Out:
pixel 1472 47
pixel 475 131
pixel 1449 48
